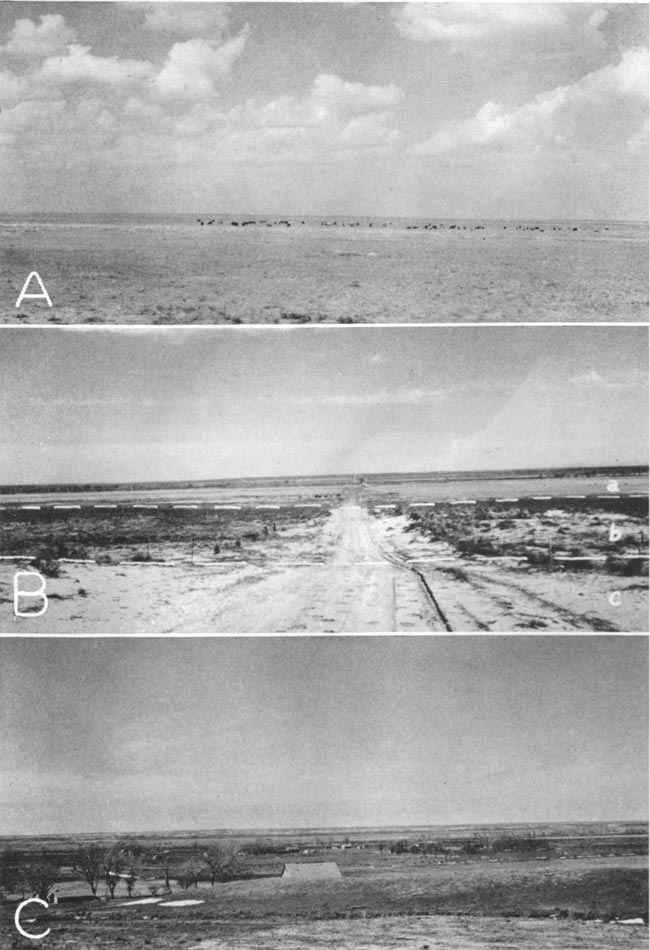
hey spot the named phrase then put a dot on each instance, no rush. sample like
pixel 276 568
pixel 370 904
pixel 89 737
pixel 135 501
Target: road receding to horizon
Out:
pixel 351 572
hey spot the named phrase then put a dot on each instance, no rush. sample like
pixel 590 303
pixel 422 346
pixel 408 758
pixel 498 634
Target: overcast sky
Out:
pixel 468 109
pixel 101 404
pixel 210 732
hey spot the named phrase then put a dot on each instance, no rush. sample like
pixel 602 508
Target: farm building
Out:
pixel 311 871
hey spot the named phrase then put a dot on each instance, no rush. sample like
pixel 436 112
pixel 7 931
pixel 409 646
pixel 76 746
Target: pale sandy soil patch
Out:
pixel 142 900
pixel 326 577
pixel 509 596
pixel 349 573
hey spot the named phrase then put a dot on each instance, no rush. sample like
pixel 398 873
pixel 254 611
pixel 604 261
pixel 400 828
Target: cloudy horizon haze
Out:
pixel 166 404
pixel 463 110
pixel 266 732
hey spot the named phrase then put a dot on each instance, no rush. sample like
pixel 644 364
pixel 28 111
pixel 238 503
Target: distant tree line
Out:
pixel 476 844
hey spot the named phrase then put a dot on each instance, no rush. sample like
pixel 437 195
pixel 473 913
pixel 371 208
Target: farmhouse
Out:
pixel 311 871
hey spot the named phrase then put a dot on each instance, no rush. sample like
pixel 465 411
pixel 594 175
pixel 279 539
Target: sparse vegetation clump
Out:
pixel 143 536
pixel 575 536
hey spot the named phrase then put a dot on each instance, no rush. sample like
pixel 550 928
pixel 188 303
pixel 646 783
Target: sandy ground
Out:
pixel 506 596
pixel 334 577
pixel 351 573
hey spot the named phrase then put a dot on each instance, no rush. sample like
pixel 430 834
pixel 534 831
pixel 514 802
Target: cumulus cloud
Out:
pixel 81 64
pixel 466 26
pixel 187 19
pixel 560 117
pixel 333 94
pixel 194 68
pixel 183 97
pixel 333 115
pixel 398 397
pixel 13 88
pixel 369 131
pixel 51 36
pixel 592 379
pixel 470 21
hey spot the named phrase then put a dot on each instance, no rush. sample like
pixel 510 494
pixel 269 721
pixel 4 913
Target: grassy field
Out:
pixel 461 271
pixel 498 904
pixel 548 886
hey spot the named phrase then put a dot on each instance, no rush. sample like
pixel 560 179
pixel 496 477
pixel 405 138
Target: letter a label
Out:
pixel 25 296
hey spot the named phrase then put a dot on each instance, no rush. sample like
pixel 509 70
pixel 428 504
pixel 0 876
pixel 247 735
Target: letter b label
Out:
pixel 21 593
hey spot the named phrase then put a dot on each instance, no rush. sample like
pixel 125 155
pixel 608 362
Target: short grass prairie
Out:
pixel 493 886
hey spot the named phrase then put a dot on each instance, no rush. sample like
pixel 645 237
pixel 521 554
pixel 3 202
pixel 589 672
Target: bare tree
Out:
pixel 221 861
pixel 112 867
pixel 188 874
pixel 10 876
pixel 40 875
pixel 130 855
pixel 163 860
pixel 132 875
pixel 88 864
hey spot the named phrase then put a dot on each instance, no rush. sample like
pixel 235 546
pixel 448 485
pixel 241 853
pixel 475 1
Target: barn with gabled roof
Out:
pixel 311 871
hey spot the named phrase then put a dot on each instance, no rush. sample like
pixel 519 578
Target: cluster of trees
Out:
pixel 476 844
pixel 218 864
pixel 123 862
pixel 34 875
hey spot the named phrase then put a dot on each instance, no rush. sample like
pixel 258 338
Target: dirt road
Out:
pixel 349 573
pixel 353 583
pixel 502 595
pixel 329 577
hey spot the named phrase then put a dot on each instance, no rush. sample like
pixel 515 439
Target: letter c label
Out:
pixel 615 598
pixel 31 900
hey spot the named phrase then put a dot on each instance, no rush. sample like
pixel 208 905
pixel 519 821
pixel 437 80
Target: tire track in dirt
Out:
pixel 492 597
pixel 358 586
pixel 495 596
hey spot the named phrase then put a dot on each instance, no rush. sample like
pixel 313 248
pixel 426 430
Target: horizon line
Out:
pixel 323 214
pixel 641 467
pixel 330 829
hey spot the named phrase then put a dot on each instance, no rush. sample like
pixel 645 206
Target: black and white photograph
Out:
pixel 365 792
pixel 299 163
pixel 262 480
pixel 324 470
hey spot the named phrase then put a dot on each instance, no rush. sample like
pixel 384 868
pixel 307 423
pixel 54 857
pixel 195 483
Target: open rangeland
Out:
pixel 368 555
pixel 558 887
pixel 193 929
pixel 130 269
